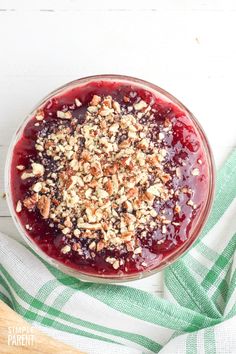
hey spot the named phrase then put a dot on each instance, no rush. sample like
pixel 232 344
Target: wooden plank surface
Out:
pixel 186 47
pixel 38 342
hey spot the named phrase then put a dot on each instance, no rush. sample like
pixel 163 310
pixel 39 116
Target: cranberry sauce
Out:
pixel 185 153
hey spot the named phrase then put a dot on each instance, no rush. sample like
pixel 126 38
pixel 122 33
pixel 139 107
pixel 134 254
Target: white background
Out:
pixel 186 47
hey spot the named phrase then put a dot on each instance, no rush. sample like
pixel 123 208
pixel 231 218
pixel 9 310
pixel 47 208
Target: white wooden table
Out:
pixel 186 47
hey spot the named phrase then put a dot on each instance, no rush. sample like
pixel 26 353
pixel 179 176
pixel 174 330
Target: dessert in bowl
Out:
pixel 110 178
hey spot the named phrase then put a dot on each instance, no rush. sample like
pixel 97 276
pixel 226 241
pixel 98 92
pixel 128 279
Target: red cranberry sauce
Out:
pixel 184 149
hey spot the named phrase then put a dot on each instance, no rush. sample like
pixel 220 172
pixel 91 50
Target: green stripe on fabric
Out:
pixel 5 299
pixel 231 286
pixel 30 316
pixel 189 286
pixel 8 290
pixel 43 293
pixel 137 303
pixel 150 309
pixel 225 193
pixel 136 338
pixel 209 341
pixel 57 325
pixel 220 296
pixel 62 298
pixel 221 263
pixel 206 251
pixel 142 305
pixel 195 265
pixel 173 285
pixel 191 343
pixel 231 313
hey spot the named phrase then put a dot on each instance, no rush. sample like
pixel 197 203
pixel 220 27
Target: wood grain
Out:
pixel 31 341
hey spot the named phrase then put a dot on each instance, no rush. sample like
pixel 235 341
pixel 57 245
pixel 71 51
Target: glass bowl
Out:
pixel 198 223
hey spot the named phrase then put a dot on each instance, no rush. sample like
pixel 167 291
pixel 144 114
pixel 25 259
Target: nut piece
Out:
pixel 116 106
pixel 191 203
pixel 38 169
pixel 26 175
pixel 76 232
pixel 143 144
pixel 88 226
pixel 113 261
pixel 66 249
pixel 124 144
pixel 78 103
pixel 163 230
pixel 109 187
pixel 102 193
pixel 195 172
pixel 64 115
pixel 105 111
pixel 95 100
pixel 37 187
pixel 100 246
pixel 30 202
pixel 20 167
pixel 178 172
pixel 116 264
pixel 66 231
pixel 140 105
pixel 39 115
pixel 155 189
pixel 177 208
pixel 44 206
pixel 18 206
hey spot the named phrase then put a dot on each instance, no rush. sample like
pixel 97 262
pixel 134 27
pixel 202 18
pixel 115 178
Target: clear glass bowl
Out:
pixel 199 221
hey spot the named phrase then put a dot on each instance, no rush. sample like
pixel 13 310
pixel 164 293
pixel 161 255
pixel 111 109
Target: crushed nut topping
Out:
pixel 100 181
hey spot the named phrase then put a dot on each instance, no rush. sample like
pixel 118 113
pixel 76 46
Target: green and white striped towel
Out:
pixel 196 314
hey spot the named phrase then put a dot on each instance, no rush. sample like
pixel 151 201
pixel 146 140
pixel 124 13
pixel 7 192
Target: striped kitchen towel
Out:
pixel 195 316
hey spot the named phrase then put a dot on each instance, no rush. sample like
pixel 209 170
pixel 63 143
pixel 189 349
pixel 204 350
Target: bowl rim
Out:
pixel 176 254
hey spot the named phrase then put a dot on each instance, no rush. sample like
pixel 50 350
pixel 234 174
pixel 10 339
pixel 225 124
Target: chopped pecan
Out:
pixel 100 245
pixel 88 226
pixel 109 187
pixel 68 222
pixel 96 169
pixel 132 193
pixel 125 144
pixel 86 156
pixel 165 178
pixel 18 206
pixel 37 169
pixel 20 167
pixel 93 184
pixel 44 206
pixel 107 102
pixel 31 201
pixel 27 174
pixel 64 115
pixel 126 99
pixel 116 106
pixel 95 100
